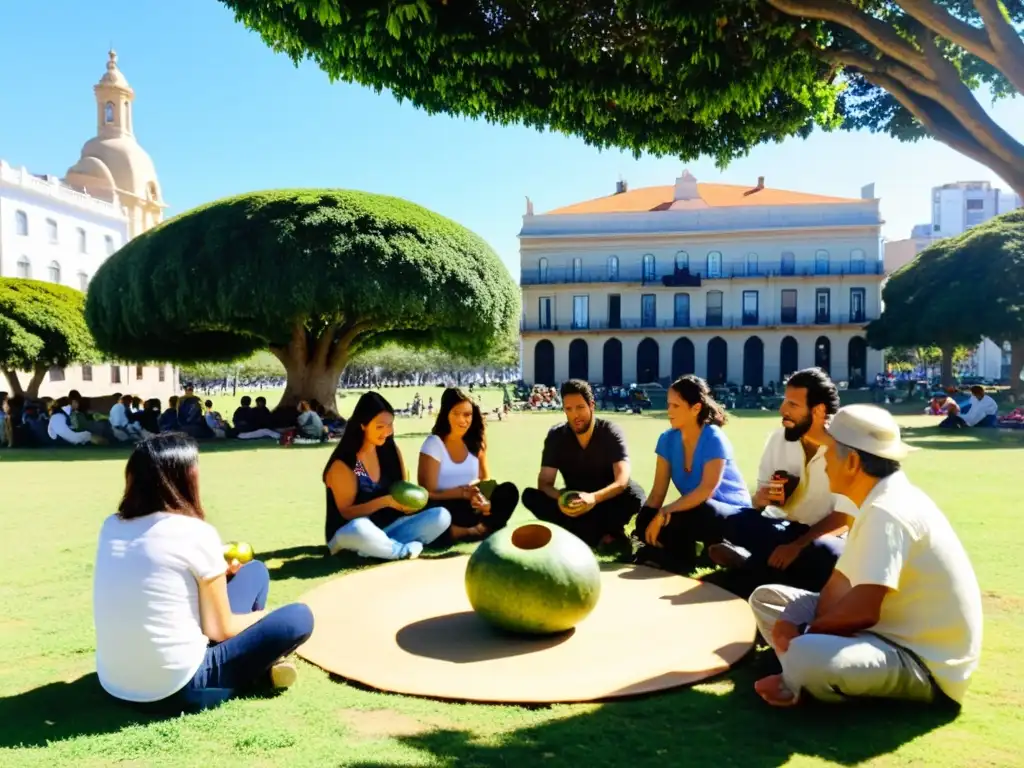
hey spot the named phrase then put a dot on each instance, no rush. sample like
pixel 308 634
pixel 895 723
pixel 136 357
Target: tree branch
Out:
pixel 38 373
pixel 339 355
pixel 940 21
pixel 876 32
pixel 1008 48
pixel 322 350
pixel 14 382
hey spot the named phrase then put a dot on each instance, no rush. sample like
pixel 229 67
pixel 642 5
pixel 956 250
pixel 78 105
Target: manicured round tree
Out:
pixel 312 275
pixel 42 325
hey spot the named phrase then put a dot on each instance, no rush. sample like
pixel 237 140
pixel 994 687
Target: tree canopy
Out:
pixel 312 275
pixel 42 325
pixel 687 79
pixel 958 291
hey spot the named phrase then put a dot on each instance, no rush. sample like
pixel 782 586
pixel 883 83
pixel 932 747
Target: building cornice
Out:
pixel 54 190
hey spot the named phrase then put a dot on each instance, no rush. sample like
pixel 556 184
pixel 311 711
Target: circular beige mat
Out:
pixel 408 627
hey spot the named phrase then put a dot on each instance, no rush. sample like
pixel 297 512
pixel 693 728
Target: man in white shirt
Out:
pixel 901 616
pixel 59 427
pixel 794 534
pixel 983 410
pixel 123 426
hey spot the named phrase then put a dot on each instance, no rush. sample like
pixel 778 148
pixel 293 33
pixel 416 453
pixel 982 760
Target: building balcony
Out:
pixel 737 322
pixel 635 275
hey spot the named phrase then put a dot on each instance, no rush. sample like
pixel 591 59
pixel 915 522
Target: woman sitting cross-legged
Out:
pixel 696 456
pixel 178 628
pixel 453 463
pixel 362 516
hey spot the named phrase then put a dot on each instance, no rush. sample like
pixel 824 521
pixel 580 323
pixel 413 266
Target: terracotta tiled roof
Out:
pixel 714 195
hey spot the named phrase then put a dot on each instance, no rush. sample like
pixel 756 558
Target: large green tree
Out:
pixel 958 291
pixel 42 325
pixel 715 77
pixel 312 275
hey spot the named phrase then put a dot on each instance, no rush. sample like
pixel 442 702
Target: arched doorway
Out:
pixel 648 358
pixel 544 363
pixel 579 360
pixel 753 362
pixel 612 363
pixel 718 361
pixel 682 358
pixel 823 354
pixel 789 357
pixel 857 355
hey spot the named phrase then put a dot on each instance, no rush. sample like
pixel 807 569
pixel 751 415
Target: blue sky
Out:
pixel 222 114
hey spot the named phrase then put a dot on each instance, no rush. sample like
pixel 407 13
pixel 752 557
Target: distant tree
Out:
pixel 312 275
pixel 669 77
pixel 42 326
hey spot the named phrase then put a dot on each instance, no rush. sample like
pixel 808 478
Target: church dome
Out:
pixel 94 169
pixel 121 159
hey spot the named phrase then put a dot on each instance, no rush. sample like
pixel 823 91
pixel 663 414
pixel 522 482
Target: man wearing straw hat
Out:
pixel 900 617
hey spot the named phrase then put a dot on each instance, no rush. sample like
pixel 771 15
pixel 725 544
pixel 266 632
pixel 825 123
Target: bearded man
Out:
pixel 794 534
pixel 591 455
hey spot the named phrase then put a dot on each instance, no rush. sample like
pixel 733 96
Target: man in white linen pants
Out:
pixel 900 617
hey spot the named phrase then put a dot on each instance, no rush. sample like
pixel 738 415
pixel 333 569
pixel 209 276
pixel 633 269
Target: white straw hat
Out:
pixel 870 429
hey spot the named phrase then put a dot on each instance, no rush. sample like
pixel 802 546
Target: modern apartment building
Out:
pixel 738 284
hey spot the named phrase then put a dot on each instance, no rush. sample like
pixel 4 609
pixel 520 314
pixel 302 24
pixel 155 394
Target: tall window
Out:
pixel 577 270
pixel 682 260
pixel 788 263
pixel 161 373
pixel 108 112
pixel 751 264
pixel 614 311
pixel 714 264
pixel 821 262
pixel 544 313
pixel 750 307
pixel 856 262
pixel 681 310
pixel 54 272
pixel 788 312
pixel 613 268
pixel 108 242
pixel 858 313
pixel 650 270
pixel 542 269
pixel 51 230
pixel 82 242
pixel 138 372
pixel 580 312
pixel 83 282
pixel 648 310
pixel 86 373
pixel 21 222
pixel 823 305
pixel 24 267
pixel 56 373
pixel 713 315
pixel 115 374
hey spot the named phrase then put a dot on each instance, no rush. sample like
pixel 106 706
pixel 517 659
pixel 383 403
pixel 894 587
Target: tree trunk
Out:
pixel 307 381
pixel 14 382
pixel 1016 365
pixel 34 383
pixel 947 366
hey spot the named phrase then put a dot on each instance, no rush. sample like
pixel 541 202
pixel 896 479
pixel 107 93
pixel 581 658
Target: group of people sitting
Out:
pixel 855 577
pixel 979 410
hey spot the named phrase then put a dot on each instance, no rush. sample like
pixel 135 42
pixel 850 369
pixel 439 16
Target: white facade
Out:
pixel 958 206
pixel 786 281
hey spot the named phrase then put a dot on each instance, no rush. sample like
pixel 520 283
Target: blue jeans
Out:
pixel 243 662
pixel 403 538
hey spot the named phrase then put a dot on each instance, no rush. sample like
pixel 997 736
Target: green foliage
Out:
pixel 689 79
pixel 250 272
pixel 42 325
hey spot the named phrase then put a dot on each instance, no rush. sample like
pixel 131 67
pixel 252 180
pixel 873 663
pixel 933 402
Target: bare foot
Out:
pixel 476 533
pixel 773 690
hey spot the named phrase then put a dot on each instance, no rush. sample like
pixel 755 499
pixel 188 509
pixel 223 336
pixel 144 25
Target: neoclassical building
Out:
pixel 737 284
pixel 62 230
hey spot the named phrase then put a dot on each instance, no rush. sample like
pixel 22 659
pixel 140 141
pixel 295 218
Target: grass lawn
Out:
pixel 53 711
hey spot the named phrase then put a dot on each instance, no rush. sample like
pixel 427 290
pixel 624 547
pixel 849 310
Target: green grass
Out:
pixel 52 711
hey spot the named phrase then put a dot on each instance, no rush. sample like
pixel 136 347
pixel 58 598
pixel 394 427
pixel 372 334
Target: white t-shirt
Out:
pixel 986 406
pixel 451 474
pixel 901 540
pixel 149 638
pixel 812 501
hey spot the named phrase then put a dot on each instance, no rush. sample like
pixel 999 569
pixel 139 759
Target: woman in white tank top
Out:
pixel 453 466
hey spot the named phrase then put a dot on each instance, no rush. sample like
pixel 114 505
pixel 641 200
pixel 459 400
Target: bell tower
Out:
pixel 114 99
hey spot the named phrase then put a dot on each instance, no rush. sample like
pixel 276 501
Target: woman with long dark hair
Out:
pixel 453 464
pixel 177 627
pixel 362 516
pixel 697 458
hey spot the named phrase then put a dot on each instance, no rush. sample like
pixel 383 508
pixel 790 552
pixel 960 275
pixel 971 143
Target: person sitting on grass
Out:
pixel 697 458
pixel 59 427
pixel 177 627
pixel 215 422
pixel 191 419
pixel 124 427
pixel 309 425
pixel 453 463
pixel 243 416
pixel 591 455
pixel 793 534
pixel 168 421
pixel 901 615
pixel 362 516
pixel 981 411
pixel 262 418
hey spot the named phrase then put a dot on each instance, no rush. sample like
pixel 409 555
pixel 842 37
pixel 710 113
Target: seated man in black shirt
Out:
pixel 592 457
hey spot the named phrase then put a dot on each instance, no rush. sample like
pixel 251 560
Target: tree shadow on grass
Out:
pixel 935 439
pixel 692 727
